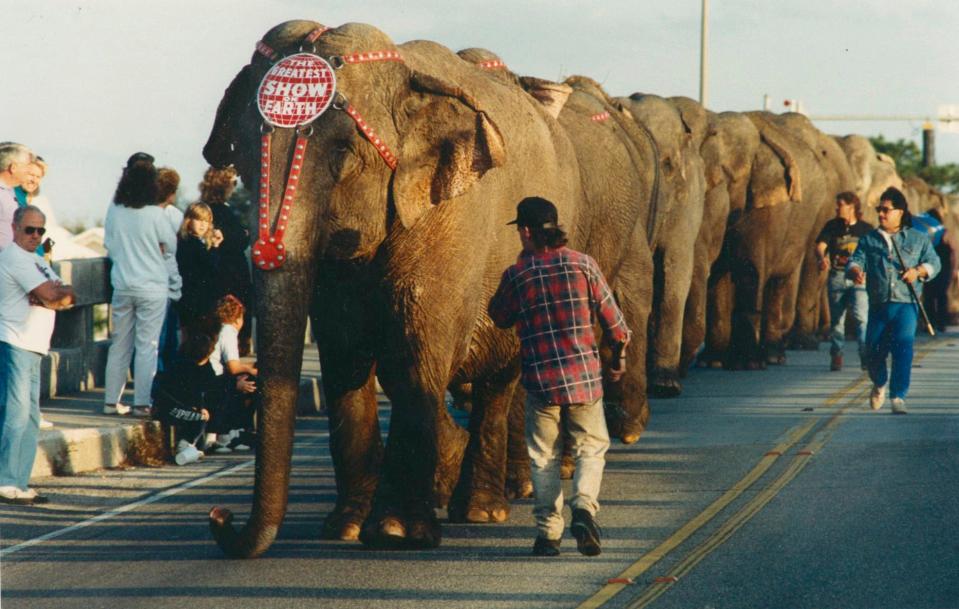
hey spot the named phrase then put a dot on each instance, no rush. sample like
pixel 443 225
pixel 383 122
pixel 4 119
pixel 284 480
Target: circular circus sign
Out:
pixel 296 90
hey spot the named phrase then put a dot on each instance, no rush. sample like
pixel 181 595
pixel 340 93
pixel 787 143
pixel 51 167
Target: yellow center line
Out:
pixel 792 436
pixel 755 505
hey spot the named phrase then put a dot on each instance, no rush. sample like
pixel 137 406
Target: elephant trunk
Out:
pixel 281 326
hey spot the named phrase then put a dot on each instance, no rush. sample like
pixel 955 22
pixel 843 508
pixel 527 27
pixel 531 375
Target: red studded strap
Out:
pixel 492 64
pixel 598 118
pixel 266 50
pixel 369 56
pixel 384 151
pixel 269 251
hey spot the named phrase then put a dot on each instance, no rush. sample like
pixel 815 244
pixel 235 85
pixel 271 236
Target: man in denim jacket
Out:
pixel 892 310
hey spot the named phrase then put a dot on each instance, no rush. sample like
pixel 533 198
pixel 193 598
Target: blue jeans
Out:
pixel 19 414
pixel 892 329
pixel 844 296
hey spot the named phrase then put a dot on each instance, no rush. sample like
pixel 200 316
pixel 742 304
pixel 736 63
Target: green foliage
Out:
pixel 908 159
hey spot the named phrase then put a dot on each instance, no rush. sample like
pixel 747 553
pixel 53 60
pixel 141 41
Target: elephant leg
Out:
pixel 720 296
pixel 480 495
pixel 627 406
pixel 357 451
pixel 676 275
pixel 349 384
pixel 746 351
pixel 810 289
pixel 694 317
pixel 421 450
pixel 782 315
pixel 519 484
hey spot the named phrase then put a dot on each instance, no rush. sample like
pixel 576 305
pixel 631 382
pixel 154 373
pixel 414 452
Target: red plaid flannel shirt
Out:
pixel 555 297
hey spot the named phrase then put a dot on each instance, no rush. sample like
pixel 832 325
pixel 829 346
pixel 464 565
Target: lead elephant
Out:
pixel 394 245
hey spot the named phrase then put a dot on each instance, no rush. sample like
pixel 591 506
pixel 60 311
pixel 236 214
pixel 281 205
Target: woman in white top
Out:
pixel 139 240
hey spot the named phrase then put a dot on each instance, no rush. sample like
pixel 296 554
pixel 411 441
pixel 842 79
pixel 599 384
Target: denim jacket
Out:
pixel 883 271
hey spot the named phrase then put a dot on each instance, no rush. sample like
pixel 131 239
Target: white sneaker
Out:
pixel 899 406
pixel 877 397
pixel 186 453
pixel 119 409
pixel 45 424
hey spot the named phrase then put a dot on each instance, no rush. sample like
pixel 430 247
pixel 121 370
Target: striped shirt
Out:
pixel 555 297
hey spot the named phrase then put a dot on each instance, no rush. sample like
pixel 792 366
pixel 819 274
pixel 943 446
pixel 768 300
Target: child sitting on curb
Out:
pixel 225 360
pixel 189 396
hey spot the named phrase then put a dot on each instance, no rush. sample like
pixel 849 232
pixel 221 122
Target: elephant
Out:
pixel 773 180
pixel 820 189
pixel 679 217
pixel 620 180
pixel 394 244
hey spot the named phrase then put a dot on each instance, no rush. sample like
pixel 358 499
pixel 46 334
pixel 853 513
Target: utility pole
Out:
pixel 704 55
pixel 928 145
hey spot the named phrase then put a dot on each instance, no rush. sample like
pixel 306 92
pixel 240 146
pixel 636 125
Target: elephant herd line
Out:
pixel 703 222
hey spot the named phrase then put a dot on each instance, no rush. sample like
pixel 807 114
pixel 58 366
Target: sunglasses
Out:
pixel 34 229
pixel 885 210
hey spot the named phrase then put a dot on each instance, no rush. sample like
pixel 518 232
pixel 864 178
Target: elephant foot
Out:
pixel 481 508
pixel 626 428
pixel 387 533
pixel 664 383
pixel 423 533
pixel 776 359
pixel 343 524
pixel 567 468
pixel 805 342
pixel 755 365
pixel 519 488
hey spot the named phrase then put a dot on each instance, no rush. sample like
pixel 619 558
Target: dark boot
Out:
pixel 836 364
pixel 586 532
pixel 546 547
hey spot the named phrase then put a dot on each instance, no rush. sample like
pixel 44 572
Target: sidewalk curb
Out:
pixel 68 452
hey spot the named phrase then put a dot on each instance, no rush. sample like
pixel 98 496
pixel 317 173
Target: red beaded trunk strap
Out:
pixel 266 50
pixel 370 135
pixel 269 251
pixel 369 56
pixel 602 116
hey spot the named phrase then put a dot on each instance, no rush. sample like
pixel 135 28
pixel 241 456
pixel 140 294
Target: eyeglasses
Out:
pixel 885 210
pixel 34 229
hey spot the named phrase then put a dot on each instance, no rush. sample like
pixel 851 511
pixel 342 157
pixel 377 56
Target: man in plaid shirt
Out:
pixel 554 295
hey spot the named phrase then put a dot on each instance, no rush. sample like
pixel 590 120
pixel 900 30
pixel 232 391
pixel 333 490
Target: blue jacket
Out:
pixel 883 271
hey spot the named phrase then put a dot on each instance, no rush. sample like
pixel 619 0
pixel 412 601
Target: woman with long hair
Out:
pixel 138 237
pixel 234 270
pixel 198 257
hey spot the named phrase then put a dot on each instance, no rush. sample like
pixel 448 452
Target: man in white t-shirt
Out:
pixel 30 292
pixel 15 160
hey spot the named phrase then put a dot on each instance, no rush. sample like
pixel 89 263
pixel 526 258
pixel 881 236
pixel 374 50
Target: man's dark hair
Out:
pixel 548 237
pixel 138 185
pixel 898 200
pixel 196 346
pixel 850 198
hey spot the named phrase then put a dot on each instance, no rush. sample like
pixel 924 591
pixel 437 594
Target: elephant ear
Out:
pixel 219 148
pixel 772 139
pixel 448 144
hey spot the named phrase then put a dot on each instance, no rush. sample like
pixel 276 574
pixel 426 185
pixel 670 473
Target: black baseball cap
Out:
pixel 139 157
pixel 536 212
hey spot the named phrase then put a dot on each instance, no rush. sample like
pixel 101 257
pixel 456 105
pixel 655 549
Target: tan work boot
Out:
pixel 836 364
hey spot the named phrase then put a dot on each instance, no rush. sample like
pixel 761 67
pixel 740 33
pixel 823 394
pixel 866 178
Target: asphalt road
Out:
pixel 754 489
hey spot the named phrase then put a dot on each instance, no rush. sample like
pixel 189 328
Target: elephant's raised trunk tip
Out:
pixel 248 543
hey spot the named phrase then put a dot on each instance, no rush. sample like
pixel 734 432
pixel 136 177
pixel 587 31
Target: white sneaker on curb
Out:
pixel 119 409
pixel 899 406
pixel 45 424
pixel 877 397
pixel 186 453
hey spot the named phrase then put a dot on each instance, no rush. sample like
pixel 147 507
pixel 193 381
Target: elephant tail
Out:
pixel 249 542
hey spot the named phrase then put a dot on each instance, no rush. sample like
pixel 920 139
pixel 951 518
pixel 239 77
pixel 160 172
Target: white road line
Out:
pixel 124 509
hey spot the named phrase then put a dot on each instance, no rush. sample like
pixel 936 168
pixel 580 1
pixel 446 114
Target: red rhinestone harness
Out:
pixel 269 251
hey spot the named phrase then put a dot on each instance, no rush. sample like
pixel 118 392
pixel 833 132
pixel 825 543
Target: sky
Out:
pixel 90 82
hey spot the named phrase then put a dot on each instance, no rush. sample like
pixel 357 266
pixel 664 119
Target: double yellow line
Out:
pixel 792 437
